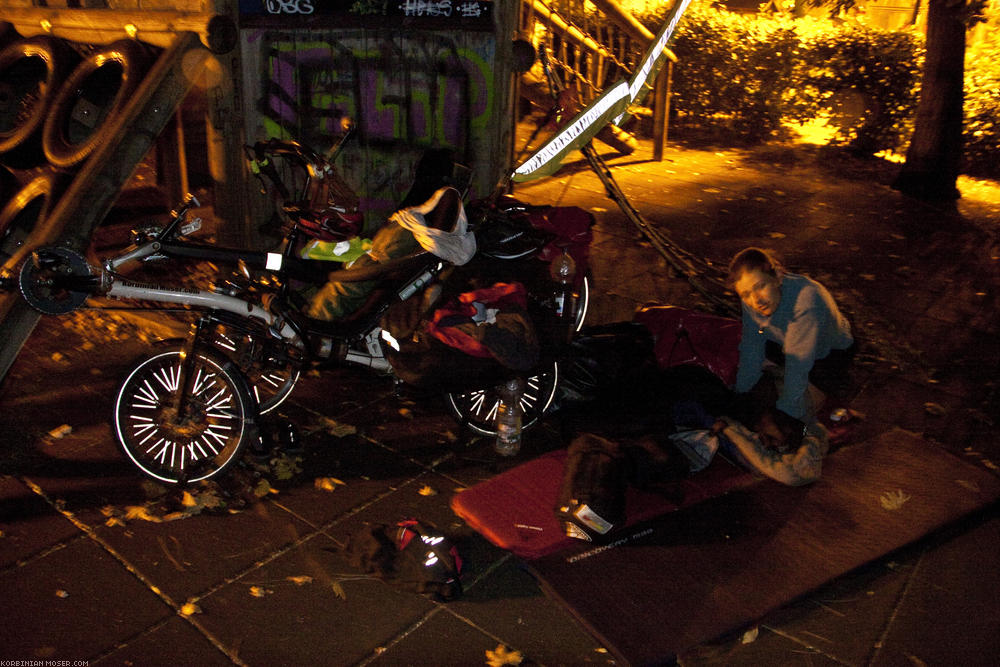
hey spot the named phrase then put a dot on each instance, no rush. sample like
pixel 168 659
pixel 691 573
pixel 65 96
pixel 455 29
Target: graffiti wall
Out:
pixel 404 91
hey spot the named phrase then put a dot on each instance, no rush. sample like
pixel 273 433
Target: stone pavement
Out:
pixel 268 583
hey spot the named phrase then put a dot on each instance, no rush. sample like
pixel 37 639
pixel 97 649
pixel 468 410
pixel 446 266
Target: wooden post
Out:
pixel 171 160
pixel 661 109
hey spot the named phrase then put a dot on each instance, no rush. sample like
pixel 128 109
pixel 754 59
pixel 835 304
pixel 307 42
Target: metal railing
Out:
pixel 591 45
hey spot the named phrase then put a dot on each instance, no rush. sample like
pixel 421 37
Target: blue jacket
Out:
pixel 807 325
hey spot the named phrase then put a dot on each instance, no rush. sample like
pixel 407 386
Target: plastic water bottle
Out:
pixel 508 422
pixel 562 270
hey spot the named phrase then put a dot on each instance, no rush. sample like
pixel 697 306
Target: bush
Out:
pixel 732 71
pixel 981 131
pixel 748 75
pixel 881 70
pixel 752 73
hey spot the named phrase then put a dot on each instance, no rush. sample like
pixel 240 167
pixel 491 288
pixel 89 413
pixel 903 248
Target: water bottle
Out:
pixel 562 270
pixel 508 421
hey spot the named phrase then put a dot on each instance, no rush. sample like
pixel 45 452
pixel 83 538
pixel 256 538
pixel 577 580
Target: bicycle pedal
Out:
pixel 261 450
pixel 277 437
pixel 288 439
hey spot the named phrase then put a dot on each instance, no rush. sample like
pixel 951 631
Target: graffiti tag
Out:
pixel 288 6
pixel 426 7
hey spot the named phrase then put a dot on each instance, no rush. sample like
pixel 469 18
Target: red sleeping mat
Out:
pixel 516 509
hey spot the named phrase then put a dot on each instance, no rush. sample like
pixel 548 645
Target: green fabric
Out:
pixel 335 300
pixel 327 251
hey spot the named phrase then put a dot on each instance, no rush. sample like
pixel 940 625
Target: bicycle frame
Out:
pixel 277 326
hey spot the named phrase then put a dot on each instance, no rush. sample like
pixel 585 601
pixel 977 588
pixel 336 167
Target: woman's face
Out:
pixel 760 291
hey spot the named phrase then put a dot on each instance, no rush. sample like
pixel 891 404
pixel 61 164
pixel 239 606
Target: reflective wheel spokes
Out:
pixel 271 378
pixel 192 440
pixel 478 408
pixel 582 304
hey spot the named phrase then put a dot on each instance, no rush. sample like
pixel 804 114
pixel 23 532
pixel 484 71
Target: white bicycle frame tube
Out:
pixel 123 289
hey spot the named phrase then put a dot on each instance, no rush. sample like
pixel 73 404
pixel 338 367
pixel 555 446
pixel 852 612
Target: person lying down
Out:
pixel 676 421
pixel 661 427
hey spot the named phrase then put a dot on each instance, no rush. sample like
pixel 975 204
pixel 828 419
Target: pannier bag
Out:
pixel 490 323
pixel 592 495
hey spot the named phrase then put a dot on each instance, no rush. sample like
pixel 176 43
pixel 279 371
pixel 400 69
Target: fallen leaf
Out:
pixel 300 580
pixel 61 431
pixel 140 512
pixel 337 429
pixel 190 609
pixel 503 656
pixel 258 591
pixel 113 520
pixel 893 500
pixel 286 467
pixel 934 409
pixel 62 594
pixel 327 483
pixel 338 590
pixel 776 235
pixel 427 491
pixel 750 636
pixel 262 488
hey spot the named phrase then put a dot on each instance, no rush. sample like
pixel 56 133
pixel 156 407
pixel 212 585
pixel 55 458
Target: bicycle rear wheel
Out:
pixel 204 441
pixel 478 408
pixel 270 373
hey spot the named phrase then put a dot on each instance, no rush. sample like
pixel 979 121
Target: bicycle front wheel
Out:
pixel 198 441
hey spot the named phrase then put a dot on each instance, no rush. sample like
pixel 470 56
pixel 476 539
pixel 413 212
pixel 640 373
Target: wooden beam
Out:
pixel 103 26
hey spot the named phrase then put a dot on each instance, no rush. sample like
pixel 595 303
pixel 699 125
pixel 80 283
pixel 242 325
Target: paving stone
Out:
pixel 949 614
pixel 74 603
pixel 174 641
pixel 509 602
pixel 28 524
pixel 308 606
pixel 189 556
